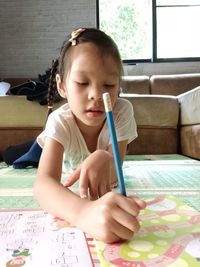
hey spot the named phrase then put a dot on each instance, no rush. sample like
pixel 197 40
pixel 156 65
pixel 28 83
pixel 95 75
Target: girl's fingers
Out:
pixel 83 186
pixel 125 219
pixel 103 189
pixel 129 205
pixel 94 193
pixel 73 178
pixel 141 203
pixel 119 231
pixel 98 190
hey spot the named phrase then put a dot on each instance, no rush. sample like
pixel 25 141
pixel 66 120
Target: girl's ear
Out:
pixel 60 87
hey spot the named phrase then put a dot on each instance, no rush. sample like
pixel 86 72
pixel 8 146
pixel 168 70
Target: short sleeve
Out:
pixel 123 113
pixel 56 128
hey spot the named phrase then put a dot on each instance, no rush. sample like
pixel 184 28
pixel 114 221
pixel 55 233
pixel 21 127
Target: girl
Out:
pixel 77 133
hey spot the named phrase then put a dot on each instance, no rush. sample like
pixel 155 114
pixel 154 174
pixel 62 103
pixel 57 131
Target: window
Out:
pixel 152 30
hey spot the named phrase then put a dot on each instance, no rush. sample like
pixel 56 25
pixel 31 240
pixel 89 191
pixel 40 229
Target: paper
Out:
pixel 169 236
pixel 34 238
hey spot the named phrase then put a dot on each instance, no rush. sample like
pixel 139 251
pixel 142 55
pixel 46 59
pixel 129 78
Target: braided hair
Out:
pixel 100 39
pixel 52 90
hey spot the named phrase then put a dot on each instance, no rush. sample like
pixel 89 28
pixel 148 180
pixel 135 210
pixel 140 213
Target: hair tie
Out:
pixel 74 36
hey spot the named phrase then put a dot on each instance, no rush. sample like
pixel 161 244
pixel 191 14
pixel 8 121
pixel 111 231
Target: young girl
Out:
pixel 77 134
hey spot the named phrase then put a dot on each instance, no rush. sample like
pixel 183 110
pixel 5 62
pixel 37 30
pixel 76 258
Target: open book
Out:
pixel 34 238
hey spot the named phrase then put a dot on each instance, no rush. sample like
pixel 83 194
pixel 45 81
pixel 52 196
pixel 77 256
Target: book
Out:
pixel 35 238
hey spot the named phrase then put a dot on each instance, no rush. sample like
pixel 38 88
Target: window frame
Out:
pixel 154 58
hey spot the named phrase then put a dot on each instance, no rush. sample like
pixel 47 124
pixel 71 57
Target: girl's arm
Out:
pixel 97 173
pixel 110 218
pixel 48 190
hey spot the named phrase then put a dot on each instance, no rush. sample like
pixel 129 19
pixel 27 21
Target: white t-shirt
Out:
pixel 61 126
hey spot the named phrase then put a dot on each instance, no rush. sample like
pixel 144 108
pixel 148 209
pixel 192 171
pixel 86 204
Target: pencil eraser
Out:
pixel 107 102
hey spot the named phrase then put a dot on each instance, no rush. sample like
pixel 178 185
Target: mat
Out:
pixel 145 176
pixel 172 174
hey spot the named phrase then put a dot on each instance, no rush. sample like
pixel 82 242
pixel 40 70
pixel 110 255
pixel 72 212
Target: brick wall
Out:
pixel 32 32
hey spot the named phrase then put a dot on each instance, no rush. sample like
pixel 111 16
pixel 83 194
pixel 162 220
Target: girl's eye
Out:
pixel 109 85
pixel 82 83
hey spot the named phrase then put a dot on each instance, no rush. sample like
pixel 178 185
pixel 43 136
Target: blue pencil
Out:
pixel 115 149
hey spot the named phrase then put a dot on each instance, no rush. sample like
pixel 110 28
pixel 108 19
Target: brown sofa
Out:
pixel 167 123
pixel 167 113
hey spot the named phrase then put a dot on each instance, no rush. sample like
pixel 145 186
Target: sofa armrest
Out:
pixel 190 123
pixel 190 107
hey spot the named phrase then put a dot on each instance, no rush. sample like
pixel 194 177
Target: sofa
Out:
pixel 166 108
pixel 175 84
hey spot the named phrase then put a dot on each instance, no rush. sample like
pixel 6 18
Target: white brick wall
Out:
pixel 32 32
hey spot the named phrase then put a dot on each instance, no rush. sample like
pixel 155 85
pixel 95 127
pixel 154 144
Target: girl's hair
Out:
pixel 105 44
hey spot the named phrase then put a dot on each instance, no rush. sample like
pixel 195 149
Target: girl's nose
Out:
pixel 95 94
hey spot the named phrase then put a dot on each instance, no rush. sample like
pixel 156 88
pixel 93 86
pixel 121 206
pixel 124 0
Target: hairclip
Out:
pixel 74 35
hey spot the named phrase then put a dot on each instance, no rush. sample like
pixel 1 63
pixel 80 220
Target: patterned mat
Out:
pixel 151 175
pixel 145 176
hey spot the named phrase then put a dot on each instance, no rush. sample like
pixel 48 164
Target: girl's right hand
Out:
pixel 110 218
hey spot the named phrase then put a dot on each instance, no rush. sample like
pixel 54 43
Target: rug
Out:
pixel 145 176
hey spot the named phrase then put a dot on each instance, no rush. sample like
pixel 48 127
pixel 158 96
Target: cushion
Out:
pixel 154 110
pixel 19 112
pixel 174 84
pixel 135 84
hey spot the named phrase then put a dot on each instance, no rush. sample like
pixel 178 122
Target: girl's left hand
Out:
pixel 93 174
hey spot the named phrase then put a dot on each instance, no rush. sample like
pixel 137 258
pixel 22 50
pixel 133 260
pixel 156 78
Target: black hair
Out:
pixel 105 44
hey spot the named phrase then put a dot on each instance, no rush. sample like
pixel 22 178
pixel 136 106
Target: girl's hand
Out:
pixel 93 174
pixel 111 218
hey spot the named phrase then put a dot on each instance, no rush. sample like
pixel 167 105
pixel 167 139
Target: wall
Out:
pixel 32 31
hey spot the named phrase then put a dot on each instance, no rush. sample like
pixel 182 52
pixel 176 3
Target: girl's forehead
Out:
pixel 87 55
pixel 89 50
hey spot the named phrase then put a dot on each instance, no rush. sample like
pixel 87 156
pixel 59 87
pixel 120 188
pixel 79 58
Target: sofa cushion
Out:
pixel 154 110
pixel 173 84
pixel 190 107
pixel 19 112
pixel 135 84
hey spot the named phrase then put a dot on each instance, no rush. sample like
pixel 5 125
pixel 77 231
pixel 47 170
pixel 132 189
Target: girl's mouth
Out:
pixel 94 112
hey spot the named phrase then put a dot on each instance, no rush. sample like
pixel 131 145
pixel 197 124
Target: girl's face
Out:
pixel 91 74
